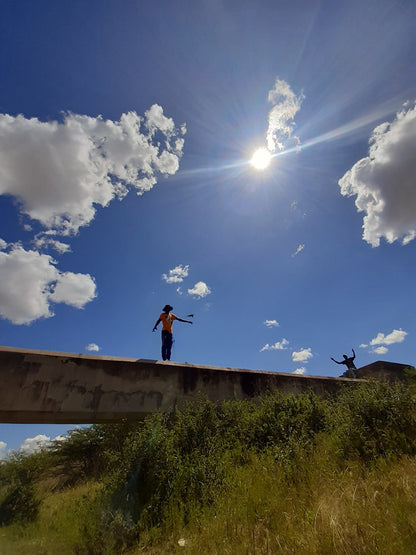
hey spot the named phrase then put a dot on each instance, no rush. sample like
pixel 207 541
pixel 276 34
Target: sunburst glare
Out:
pixel 261 158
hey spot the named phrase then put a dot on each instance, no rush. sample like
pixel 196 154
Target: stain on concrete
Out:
pixel 249 384
pixel 189 380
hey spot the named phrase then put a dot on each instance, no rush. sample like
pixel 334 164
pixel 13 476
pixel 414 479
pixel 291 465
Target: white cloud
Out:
pixel 298 250
pixel 381 350
pixel 385 182
pixel 278 346
pixel 157 121
pixel 3 450
pixel 285 106
pixel 3 245
pixel 302 356
pixel 300 370
pixel 363 345
pixel 73 289
pixel 60 439
pixel 30 282
pixel 92 347
pixel 200 290
pixel 60 172
pixel 396 336
pixel 41 242
pixel 179 290
pixel 177 274
pixel 271 323
pixel 32 444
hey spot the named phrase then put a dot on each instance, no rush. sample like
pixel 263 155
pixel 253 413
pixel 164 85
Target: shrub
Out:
pixel 373 420
pixel 282 420
pixel 18 475
pixel 18 504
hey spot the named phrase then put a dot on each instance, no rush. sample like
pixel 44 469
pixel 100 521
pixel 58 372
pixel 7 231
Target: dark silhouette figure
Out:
pixel 349 363
pixel 167 319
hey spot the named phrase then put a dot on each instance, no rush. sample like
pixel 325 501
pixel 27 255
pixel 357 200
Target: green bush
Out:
pixel 282 420
pixel 90 452
pixel 373 420
pixel 18 504
pixel 18 499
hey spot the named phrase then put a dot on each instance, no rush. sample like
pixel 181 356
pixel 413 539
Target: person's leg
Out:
pixel 169 341
pixel 164 344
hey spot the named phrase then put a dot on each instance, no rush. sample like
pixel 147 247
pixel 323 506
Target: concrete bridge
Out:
pixel 49 387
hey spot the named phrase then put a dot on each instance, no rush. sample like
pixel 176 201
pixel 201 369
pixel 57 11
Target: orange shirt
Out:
pixel 167 320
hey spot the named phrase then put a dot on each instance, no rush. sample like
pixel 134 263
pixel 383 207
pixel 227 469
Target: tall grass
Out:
pixel 325 511
pixel 282 473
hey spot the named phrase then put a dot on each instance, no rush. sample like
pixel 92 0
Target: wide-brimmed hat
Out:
pixel 167 307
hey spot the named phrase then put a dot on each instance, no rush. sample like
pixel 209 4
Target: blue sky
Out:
pixel 126 133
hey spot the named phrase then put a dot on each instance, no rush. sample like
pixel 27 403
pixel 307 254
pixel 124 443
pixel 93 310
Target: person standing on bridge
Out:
pixel 349 363
pixel 167 319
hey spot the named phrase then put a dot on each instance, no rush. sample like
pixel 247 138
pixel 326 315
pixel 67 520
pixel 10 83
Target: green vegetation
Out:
pixel 279 474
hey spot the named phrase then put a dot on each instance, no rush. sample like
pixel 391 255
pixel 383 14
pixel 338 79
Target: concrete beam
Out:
pixel 49 387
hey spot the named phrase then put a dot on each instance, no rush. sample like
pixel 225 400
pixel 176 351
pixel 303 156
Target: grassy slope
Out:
pixel 57 528
pixel 284 475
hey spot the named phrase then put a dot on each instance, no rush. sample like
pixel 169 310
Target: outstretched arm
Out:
pixel 336 361
pixel 156 325
pixel 353 354
pixel 186 321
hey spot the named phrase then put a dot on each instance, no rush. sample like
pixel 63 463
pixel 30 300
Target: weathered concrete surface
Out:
pixel 48 387
pixel 383 370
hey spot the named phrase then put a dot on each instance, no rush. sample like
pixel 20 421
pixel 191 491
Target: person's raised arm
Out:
pixel 186 321
pixel 336 361
pixel 156 325
pixel 353 352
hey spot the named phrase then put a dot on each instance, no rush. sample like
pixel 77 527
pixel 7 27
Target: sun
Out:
pixel 261 158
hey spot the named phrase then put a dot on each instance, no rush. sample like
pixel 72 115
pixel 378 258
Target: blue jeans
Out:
pixel 167 340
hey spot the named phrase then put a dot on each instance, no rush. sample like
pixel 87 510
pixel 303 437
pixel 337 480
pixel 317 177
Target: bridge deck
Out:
pixel 50 387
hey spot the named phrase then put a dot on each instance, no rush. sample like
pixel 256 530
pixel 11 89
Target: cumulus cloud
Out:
pixel 60 439
pixel 378 344
pixel 302 356
pixel 41 242
pixel 285 106
pixel 3 245
pixel 177 274
pixel 271 323
pixel 73 289
pixel 200 290
pixel 384 182
pixel 396 336
pixel 31 282
pixel 300 370
pixel 3 450
pixel 32 444
pixel 93 347
pixel 60 171
pixel 298 250
pixel 381 350
pixel 278 346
